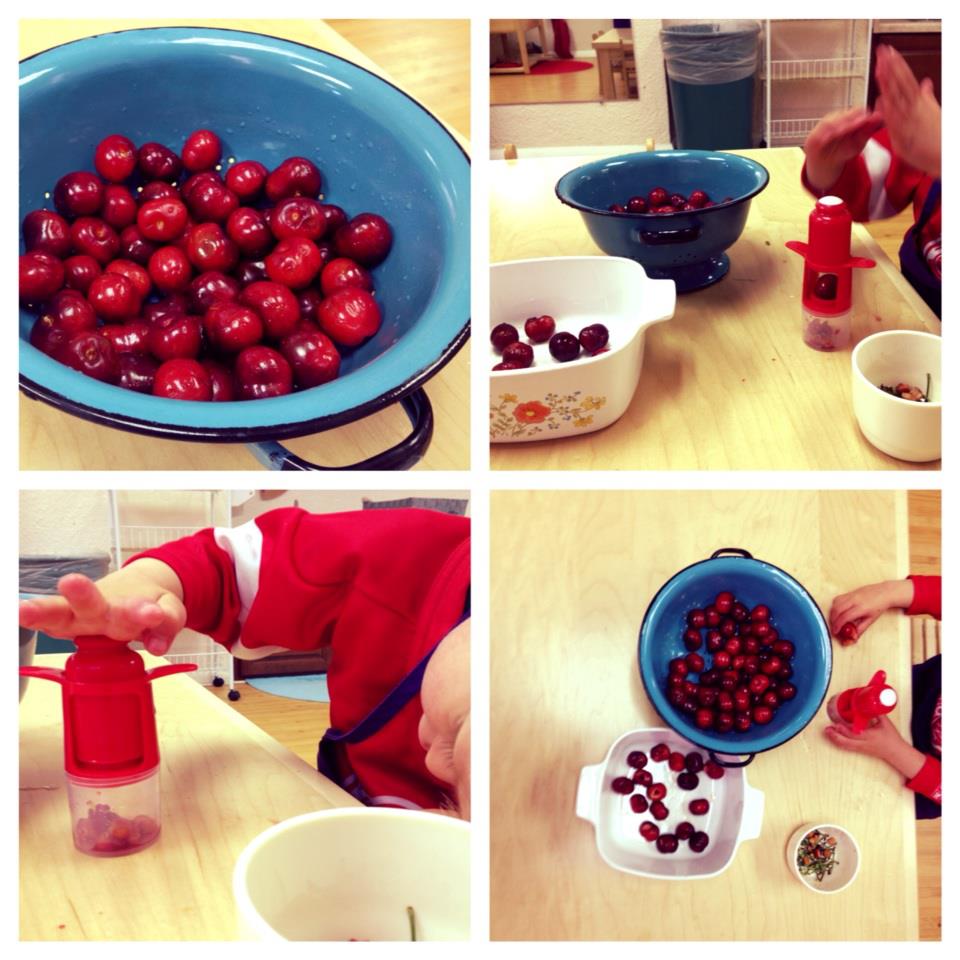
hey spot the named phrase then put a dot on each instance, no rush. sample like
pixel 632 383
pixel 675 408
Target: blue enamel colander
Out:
pixel 796 616
pixel 687 248
pixel 379 151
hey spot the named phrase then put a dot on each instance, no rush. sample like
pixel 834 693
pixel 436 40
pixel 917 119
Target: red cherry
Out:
pixel 209 248
pixel 688 781
pixel 115 158
pixel 617 208
pixel 41 276
pixel 667 843
pixel 622 785
pixel 128 338
pixel 659 753
pixel 638 803
pixel 162 220
pixel 182 379
pixel 157 190
pixel 312 356
pixel 694 662
pixel 119 206
pixel 762 714
pixel 704 718
pixel 721 659
pixel 696 619
pixel 694 761
pixel 760 613
pixel 699 807
pixel 761 629
pixel 247 179
pixel 46 232
pixel 276 304
pixel 136 371
pixel 309 300
pixel 739 612
pixel 343 272
pixel 250 271
pixel 659 810
pixel 348 316
pixel 678 200
pixel 248 229
pixel 335 217
pixel 713 616
pixel 724 602
pixel 657 197
pixel 170 270
pixel 706 696
pixel 211 201
pixel 714 640
pixel 636 205
pixel 520 354
pixel 294 262
pixel 685 830
pixel 564 347
pixel 643 777
pixel 825 286
pixel 786 691
pixel 201 151
pixel 724 722
pixel 209 287
pixel 742 722
pixel 502 335
pixel 262 372
pixel 759 683
pixel 135 246
pixel 91 353
pixel 697 198
pixel 222 387
pixel 741 699
pixel 725 701
pixel 78 194
pixel 848 634
pixel 594 337
pixel 367 238
pixel 772 665
pixel 678 666
pixel 295 177
pixel 205 178
pixel 66 314
pixel 692 639
pixel 676 762
pixel 114 296
pixel 157 162
pixel 539 329
pixel 733 645
pixel 80 271
pixel 232 327
pixel 298 217
pixel 636 758
pixel 175 336
pixel 770 699
pixel 90 235
pixel 649 831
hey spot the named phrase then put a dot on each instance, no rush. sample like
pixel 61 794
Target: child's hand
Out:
pixel 834 141
pixel 862 606
pixel 910 111
pixel 881 740
pixel 143 601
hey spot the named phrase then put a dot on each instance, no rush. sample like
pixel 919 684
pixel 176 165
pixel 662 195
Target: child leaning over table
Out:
pixel 880 161
pixel 387 590
pixel 918 763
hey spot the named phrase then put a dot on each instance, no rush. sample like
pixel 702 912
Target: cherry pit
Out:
pixel 195 277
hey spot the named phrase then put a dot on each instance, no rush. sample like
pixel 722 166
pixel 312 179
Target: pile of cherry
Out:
pixel 746 674
pixel 563 346
pixel 687 769
pixel 196 279
pixel 660 200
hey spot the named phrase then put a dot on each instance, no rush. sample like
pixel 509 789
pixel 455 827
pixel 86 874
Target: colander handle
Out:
pixel 403 456
pixel 738 551
pixel 731 763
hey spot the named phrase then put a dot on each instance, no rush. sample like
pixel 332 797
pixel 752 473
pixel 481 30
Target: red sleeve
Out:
pixel 926 596
pixel 927 781
pixel 875 184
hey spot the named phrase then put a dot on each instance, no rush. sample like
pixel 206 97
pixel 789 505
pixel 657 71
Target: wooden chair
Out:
pixel 924 638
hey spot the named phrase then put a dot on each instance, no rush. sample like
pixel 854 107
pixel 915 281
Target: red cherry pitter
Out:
pixel 828 275
pixel 861 706
pixel 110 750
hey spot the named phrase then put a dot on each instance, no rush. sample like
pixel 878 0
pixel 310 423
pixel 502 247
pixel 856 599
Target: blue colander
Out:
pixel 796 616
pixel 687 248
pixel 268 99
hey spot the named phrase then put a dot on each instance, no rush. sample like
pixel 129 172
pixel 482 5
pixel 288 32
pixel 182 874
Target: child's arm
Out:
pixel 921 771
pixel 926 596
pixel 863 605
pixel 143 601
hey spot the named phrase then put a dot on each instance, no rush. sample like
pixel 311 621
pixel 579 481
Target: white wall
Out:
pixel 613 122
pixel 57 522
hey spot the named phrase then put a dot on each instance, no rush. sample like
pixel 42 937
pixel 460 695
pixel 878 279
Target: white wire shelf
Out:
pixel 834 68
pixel 142 537
pixel 785 132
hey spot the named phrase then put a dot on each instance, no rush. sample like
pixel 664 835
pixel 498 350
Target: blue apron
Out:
pixel 913 264
pixel 330 747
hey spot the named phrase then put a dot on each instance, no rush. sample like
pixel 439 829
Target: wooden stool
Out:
pixel 519 28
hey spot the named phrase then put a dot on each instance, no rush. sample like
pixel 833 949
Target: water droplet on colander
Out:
pixel 231 159
pixel 333 136
pixel 353 186
pixel 409 205
pixel 370 144
pixel 46 196
pixel 349 135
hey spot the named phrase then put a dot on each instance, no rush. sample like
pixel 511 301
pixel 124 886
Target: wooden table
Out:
pixel 223 781
pixel 51 440
pixel 564 685
pixel 727 383
pixel 518 29
pixel 609 46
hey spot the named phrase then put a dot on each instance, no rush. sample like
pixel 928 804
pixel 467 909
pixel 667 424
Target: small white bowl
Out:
pixel 551 399
pixel 903 429
pixel 848 858
pixel 351 873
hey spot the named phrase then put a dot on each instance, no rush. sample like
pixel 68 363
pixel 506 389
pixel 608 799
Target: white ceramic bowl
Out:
pixel 735 814
pixel 352 873
pixel 551 399
pixel 848 859
pixel 903 429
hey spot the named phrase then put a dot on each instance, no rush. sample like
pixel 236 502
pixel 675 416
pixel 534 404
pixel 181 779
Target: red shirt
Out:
pixel 380 587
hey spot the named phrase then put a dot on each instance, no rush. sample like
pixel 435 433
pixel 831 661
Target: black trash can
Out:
pixel 711 76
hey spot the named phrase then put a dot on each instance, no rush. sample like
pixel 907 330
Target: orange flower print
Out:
pixel 531 412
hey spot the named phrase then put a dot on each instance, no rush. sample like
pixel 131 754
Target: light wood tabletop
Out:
pixel 222 782
pixel 727 383
pixel 573 575
pixel 51 440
